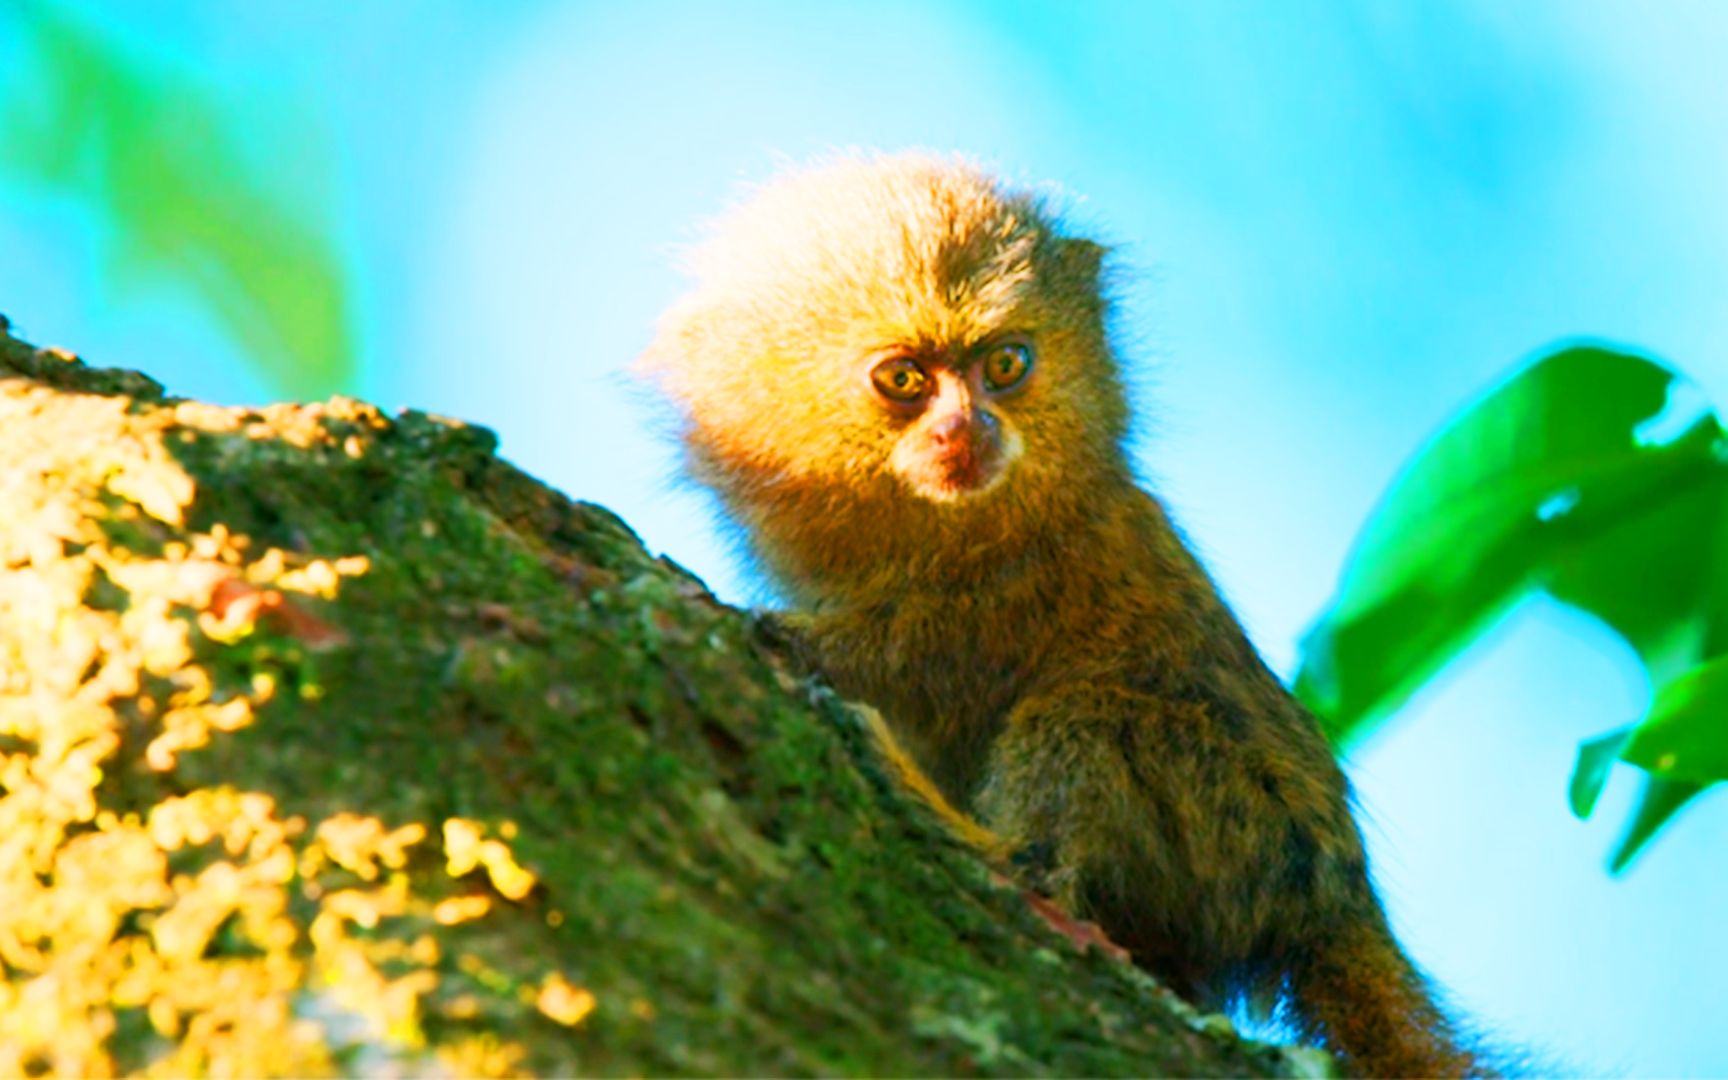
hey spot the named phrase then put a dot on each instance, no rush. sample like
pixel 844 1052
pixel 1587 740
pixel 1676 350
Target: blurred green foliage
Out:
pixel 1596 476
pixel 209 193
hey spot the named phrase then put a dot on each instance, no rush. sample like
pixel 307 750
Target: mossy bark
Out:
pixel 332 743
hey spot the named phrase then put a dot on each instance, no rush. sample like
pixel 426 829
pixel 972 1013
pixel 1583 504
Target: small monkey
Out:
pixel 896 374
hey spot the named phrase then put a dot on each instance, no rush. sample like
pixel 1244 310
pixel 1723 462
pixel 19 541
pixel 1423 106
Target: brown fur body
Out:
pixel 1045 646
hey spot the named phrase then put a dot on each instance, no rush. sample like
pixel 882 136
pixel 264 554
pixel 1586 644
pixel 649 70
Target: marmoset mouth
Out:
pixel 953 473
pixel 958 465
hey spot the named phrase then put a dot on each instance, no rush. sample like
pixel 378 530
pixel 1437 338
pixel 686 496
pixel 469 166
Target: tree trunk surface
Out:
pixel 331 743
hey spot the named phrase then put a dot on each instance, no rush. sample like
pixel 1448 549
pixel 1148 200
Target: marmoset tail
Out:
pixel 897 375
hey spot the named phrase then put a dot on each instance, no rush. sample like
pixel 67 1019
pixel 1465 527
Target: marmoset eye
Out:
pixel 1006 365
pixel 900 379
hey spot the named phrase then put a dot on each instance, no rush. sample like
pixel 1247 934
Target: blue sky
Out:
pixel 1337 223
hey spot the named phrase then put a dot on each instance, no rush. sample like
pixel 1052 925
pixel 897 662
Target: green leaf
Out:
pixel 1596 759
pixel 1660 800
pixel 1652 566
pixel 1682 743
pixel 1685 734
pixel 1513 495
pixel 193 190
pixel 1596 475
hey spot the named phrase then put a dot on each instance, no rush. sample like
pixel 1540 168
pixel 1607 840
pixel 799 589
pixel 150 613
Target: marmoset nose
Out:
pixel 952 427
pixel 957 420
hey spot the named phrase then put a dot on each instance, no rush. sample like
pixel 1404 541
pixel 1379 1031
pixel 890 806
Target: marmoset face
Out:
pixel 890 329
pixel 953 411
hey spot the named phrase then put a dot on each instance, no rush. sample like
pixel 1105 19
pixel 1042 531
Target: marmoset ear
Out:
pixel 1080 260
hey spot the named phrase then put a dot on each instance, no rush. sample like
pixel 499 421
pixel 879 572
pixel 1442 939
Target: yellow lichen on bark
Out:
pixel 229 938
pixel 467 847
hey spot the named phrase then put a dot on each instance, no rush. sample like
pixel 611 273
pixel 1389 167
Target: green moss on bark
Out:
pixel 331 742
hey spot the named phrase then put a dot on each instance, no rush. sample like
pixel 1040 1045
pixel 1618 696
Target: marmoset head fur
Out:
pixel 893 328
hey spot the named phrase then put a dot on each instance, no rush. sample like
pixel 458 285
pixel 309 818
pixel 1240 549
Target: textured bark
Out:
pixel 332 743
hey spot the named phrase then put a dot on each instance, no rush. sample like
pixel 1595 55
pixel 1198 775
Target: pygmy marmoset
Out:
pixel 897 375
